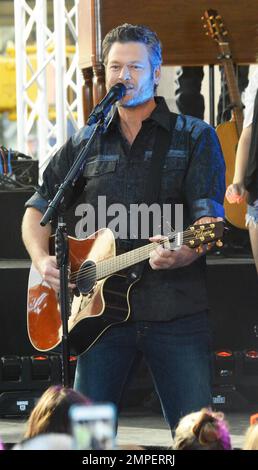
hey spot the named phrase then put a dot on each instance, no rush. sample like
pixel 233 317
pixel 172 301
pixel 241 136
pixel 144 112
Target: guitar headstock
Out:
pixel 214 26
pixel 197 235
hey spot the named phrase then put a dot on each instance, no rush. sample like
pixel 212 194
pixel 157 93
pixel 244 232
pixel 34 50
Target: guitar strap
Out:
pixel 153 183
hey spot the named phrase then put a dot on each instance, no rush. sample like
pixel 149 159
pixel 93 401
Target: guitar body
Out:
pixel 228 137
pixel 91 314
pixel 115 308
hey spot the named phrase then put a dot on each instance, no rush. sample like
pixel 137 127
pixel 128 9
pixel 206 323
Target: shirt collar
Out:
pixel 160 115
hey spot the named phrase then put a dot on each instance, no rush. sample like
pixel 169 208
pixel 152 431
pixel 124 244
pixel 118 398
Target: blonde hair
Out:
pixel 51 412
pixel 251 438
pixel 202 430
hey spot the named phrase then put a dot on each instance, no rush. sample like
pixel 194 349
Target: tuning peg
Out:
pixel 219 243
pixel 191 242
pixel 218 17
pixel 202 238
pixel 202 227
pixel 212 225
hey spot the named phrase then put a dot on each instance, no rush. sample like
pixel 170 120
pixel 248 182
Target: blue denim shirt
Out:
pixel 193 175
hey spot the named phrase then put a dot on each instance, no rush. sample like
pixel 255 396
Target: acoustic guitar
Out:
pixel 228 132
pixel 101 298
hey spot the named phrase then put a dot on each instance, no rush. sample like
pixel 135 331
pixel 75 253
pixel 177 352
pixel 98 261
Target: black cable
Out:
pixel 7 181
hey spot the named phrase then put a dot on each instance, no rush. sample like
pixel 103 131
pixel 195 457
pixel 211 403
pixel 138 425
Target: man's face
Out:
pixel 129 64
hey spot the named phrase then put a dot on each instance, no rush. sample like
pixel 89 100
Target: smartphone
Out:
pixel 93 426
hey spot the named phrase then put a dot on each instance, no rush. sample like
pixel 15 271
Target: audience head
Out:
pixel 251 438
pixel 202 430
pixel 51 441
pixel 50 414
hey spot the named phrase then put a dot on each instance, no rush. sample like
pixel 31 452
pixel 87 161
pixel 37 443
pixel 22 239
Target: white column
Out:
pixel 42 104
pixel 59 38
pixel 20 58
pixel 79 78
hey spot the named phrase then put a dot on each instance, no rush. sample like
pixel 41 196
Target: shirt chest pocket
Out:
pixel 101 166
pixel 174 164
pixel 173 174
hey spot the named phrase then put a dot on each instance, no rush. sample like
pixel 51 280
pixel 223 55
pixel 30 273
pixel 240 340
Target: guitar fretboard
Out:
pixel 108 267
pixel 233 89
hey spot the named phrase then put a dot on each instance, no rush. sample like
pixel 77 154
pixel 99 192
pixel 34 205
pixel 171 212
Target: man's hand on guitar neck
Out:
pixel 162 258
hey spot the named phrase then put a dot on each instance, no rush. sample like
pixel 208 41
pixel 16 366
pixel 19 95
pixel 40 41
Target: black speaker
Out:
pixel 13 304
pixel 18 403
pixel 233 297
pixel 26 171
pixel 12 210
pixel 29 372
pixel 23 379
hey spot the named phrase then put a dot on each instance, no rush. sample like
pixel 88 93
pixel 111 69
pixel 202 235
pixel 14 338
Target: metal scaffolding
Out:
pixel 56 52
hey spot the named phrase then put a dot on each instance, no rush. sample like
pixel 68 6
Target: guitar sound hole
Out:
pixel 86 277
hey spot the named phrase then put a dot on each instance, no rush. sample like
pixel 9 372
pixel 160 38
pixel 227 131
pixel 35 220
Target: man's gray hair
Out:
pixel 135 33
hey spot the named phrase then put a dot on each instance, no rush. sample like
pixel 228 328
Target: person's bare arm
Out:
pixel 36 241
pixel 35 237
pixel 236 191
pixel 242 154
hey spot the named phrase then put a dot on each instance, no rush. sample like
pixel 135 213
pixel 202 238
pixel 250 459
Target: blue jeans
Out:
pixel 252 214
pixel 177 354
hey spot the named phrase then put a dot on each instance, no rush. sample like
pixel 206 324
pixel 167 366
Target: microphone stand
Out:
pixel 56 207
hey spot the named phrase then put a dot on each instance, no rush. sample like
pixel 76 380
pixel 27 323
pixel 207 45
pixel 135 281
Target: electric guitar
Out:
pixel 102 285
pixel 228 132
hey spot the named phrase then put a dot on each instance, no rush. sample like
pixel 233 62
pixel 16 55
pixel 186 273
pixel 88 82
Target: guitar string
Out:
pixel 85 272
pixel 140 250
pixel 90 273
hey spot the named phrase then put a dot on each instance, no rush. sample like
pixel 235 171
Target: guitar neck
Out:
pixel 111 266
pixel 193 237
pixel 234 95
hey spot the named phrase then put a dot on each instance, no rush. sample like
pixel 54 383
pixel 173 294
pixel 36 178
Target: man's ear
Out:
pixel 157 75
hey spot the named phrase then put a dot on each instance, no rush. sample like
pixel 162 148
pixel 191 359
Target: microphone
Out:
pixel 100 111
